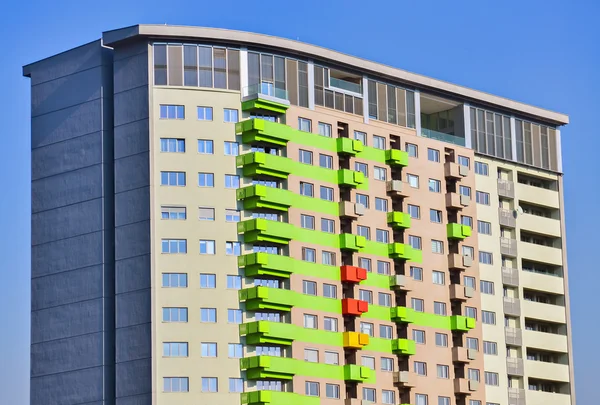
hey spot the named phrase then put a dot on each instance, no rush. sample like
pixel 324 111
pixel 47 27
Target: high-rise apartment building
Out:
pixel 224 217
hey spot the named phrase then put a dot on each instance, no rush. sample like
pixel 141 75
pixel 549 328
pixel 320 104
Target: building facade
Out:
pixel 237 218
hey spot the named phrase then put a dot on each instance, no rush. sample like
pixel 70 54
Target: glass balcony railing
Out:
pixel 266 89
pixel 345 85
pixel 440 136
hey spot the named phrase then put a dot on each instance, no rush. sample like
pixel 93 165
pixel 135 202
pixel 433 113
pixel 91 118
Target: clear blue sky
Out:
pixel 546 53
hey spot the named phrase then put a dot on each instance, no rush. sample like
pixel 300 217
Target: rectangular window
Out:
pixel 205 146
pixel 325 161
pixel 332 391
pixel 485 257
pixel 208 280
pixel 414 241
pixel 464 190
pixel 385 332
pixel 439 308
pixel 208 349
pixel 487 287
pixel 433 155
pixel 208 315
pixel 437 246
pixel 385 300
pixel 362 167
pixel 362 199
pixel 471 312
pixel 330 324
pixel 484 228
pixel 329 291
pixel 488 317
pixel 176 384
pixel 435 186
pixel 206 179
pixel 416 273
pixel 307 221
pixel 230 115
pixel 473 374
pixel 412 149
pixel 419 336
pixel 325 129
pixel 174 280
pixel 305 156
pixel 304 124
pixel 363 231
pixel 171 314
pixel 364 263
pixel 233 248
pixel 382 235
pixel 443 371
pixel 482 198
pixel 172 179
pixel 441 339
pixel 379 142
pixel 435 216
pixel 232 215
pixel 309 255
pixel 207 247
pixel 466 220
pixel 491 378
pixel 231 148
pixel 234 282
pixel 387 364
pixel 361 136
pixel 420 368
pixel 380 173
pixel 236 385
pixel 307 189
pixel 326 193
pixel 443 401
pixel 210 384
pixel 310 321
pixel 490 348
pixel 417 304
pixel 369 394
pixel 381 204
pixel 309 287
pixel 232 181
pixel 234 316
pixel 172 145
pixel 365 295
pixel 205 114
pixel 175 349
pixel 174 246
pixel 481 168
pixel 438 277
pixel 383 268
pixel 327 225
pixel 469 281
pixel 412 180
pixel 367 328
pixel 167 212
pixel 328 258
pixel 172 112
pixel 472 343
pixel 311 355
pixel 463 161
pixel 414 211
pixel 368 361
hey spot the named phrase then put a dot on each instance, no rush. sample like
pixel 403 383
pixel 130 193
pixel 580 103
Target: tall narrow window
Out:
pixel 160 65
pixel 220 68
pixel 205 66
pixel 190 65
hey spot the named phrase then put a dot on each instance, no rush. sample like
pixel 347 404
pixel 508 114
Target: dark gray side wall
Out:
pixel 72 237
pixel 132 221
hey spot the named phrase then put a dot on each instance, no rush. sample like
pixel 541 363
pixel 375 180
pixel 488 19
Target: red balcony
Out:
pixel 352 274
pixel 354 307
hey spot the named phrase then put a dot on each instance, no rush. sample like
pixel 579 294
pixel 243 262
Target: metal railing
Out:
pixel 266 89
pixel 345 85
pixel 514 336
pixel 510 276
pixel 507 217
pixel 516 396
pixel 512 306
pixel 506 188
pixel 440 136
pixel 508 247
pixel 514 366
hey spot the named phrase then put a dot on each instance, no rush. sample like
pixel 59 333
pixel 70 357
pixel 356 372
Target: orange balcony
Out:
pixel 350 306
pixel 352 274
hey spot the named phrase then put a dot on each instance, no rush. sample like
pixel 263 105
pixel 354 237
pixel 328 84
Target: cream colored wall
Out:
pixel 192 196
pixel 540 282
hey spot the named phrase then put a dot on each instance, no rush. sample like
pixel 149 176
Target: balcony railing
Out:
pixel 440 136
pixel 510 276
pixel 512 306
pixel 265 89
pixel 514 336
pixel 506 188
pixel 514 366
pixel 345 85
pixel 508 247
pixel 507 217
pixel 516 396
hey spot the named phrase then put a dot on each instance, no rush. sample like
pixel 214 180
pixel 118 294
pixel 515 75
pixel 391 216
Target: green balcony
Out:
pixel 462 323
pixel 402 314
pixel 258 196
pixel 264 264
pixel 458 231
pixel 352 242
pixel 263 230
pixel 350 178
pixel 255 131
pixel 262 367
pixel 398 219
pixel 277 398
pixel 264 164
pixel 396 157
pixel 347 146
pixel 259 298
pixel 263 96
pixel 404 347
pixel 263 332
pixel 405 252
pixel 355 373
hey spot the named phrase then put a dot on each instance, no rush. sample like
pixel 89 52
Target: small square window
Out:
pixel 412 150
pixel 205 113
pixel 230 115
